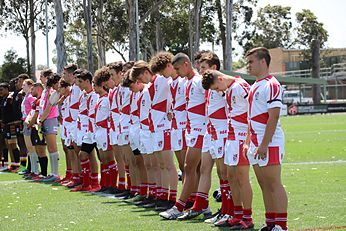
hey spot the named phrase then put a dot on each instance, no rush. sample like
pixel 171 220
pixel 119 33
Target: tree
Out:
pixel 101 52
pixel 88 25
pixel 12 66
pixel 59 40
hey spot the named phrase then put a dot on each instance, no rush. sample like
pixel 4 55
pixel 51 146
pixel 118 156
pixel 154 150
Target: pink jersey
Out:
pixel 144 106
pixel 265 93
pixel 124 108
pixel 102 112
pixel 177 88
pixel 82 120
pixel 217 114
pixel 92 99
pixel 196 105
pixel 236 95
pixel 54 112
pixel 115 114
pixel 134 108
pixel 26 105
pixel 160 102
pixel 75 94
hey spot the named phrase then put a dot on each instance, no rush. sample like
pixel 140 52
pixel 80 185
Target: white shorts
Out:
pixel 102 139
pixel 89 138
pixel 234 155
pixel 123 139
pixel 114 137
pixel 80 134
pixel 194 139
pixel 206 143
pixel 134 137
pixel 162 140
pixel 275 155
pixel 62 131
pixel 178 140
pixel 146 141
pixel 217 148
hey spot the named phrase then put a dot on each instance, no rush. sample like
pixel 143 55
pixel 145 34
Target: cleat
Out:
pixel 277 228
pixel 137 198
pixel 121 194
pixel 149 204
pixel 146 200
pixel 190 214
pixel 215 217
pixel 188 205
pixel 3 168
pixel 171 214
pixel 38 178
pixel 50 179
pixel 94 188
pixel 161 205
pixel 81 188
pixel 242 225
pixel 73 184
pixel 264 227
pixel 223 222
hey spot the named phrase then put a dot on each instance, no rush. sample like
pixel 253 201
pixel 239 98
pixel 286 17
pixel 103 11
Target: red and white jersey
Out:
pixel 237 101
pixel 134 110
pixel 73 107
pixel 160 102
pixel 265 93
pixel 115 114
pixel 217 114
pixel 64 110
pixel 177 88
pixel 196 105
pixel 92 99
pixel 102 112
pixel 144 106
pixel 82 120
pixel 124 108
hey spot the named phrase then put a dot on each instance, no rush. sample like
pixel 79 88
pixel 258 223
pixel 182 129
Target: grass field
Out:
pixel 314 175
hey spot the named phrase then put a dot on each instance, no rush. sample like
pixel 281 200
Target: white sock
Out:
pixel 54 163
pixel 34 162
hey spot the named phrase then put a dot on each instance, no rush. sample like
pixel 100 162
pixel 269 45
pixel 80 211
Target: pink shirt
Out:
pixel 27 105
pixel 54 113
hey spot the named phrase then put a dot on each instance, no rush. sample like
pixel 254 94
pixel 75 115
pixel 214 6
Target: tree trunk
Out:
pixel 59 39
pixel 131 11
pixel 33 40
pixel 88 24
pixel 197 23
pixel 315 72
pixel 192 32
pixel 222 29
pixel 100 32
pixel 27 53
pixel 228 47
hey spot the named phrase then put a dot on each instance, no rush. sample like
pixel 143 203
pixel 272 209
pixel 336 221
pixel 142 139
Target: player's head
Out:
pixel 141 72
pixel 162 63
pixel 213 80
pixel 44 75
pixel 68 73
pixel 20 80
pixel 64 87
pixel 134 86
pixel 182 64
pixel 116 70
pixel 4 89
pixel 197 56
pixel 84 79
pixel 209 61
pixel 36 90
pixel 128 65
pixel 53 81
pixel 102 80
pixel 27 85
pixel 258 61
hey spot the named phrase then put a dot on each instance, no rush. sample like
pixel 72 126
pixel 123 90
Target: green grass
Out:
pixel 317 192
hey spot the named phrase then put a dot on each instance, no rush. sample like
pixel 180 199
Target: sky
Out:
pixel 331 13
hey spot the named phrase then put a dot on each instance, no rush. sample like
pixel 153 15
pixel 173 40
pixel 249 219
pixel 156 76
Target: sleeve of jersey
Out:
pixel 273 95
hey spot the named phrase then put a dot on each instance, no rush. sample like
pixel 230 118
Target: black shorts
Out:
pixel 9 131
pixel 88 148
pixel 36 139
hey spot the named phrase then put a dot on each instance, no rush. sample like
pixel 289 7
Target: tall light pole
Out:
pixel 47 45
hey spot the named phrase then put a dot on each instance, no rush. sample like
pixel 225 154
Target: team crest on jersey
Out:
pixel 105 145
pixel 219 150
pixel 160 144
pixel 179 142
pixel 179 90
pixel 256 95
pixel 193 140
pixel 143 102
pixel 191 91
pixel 235 157
pixel 233 99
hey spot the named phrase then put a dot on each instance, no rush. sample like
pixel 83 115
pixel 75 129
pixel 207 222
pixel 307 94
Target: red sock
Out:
pixel 201 202
pixel 68 174
pixel 128 177
pixel 108 176
pixel 247 214
pixel 143 189
pixel 158 192
pixel 180 205
pixel 192 197
pixel 270 218
pixel 151 187
pixel 85 165
pixel 230 202
pixel 75 177
pixel 173 195
pixel 164 193
pixel 224 191
pixel 112 166
pixel 94 179
pixel 121 184
pixel 238 212
pixel 281 220
pixel 133 190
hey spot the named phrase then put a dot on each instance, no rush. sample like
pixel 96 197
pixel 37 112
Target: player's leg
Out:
pixel 117 152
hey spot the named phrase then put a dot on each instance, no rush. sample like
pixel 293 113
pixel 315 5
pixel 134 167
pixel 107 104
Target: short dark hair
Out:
pixel 38 85
pixel 46 72
pixel 63 83
pixel 261 53
pixel 209 78
pixel 126 80
pixel 197 56
pixel 211 59
pixel 53 79
pixel 117 66
pixel 5 85
pixel 101 75
pixel 160 60
pixel 85 75
pixel 23 76
pixel 128 65
pixel 70 68
pixel 139 68
pixel 180 57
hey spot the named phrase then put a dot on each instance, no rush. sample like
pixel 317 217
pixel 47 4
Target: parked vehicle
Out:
pixel 295 97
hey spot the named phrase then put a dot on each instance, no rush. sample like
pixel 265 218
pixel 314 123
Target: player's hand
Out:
pixel 170 116
pixel 261 152
pixel 245 148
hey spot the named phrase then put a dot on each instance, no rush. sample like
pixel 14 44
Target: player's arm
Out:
pixel 33 119
pixel 46 112
pixel 246 144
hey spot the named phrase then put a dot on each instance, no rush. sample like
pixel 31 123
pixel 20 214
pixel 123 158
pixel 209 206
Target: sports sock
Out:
pixel 94 179
pixel 230 203
pixel 16 155
pixel 224 204
pixel 173 195
pixel 238 212
pixel 247 214
pixel 121 184
pixel 270 218
pixel 143 189
pixel 164 194
pixel 151 188
pixel 34 162
pixel 85 165
pixel 28 164
pixel 43 164
pixel 54 163
pixel 201 202
pixel 23 160
pixel 180 205
pixel 281 220
pixel 112 166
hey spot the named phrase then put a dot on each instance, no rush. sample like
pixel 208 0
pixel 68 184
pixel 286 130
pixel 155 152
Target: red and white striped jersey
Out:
pixel 102 112
pixel 124 108
pixel 115 114
pixel 196 105
pixel 73 106
pixel 160 102
pixel 144 106
pixel 92 99
pixel 177 88
pixel 265 93
pixel 82 120
pixel 237 101
pixel 63 110
pixel 134 108
pixel 217 114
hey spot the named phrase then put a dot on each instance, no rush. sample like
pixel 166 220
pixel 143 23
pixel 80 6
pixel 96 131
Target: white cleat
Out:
pixel 171 214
